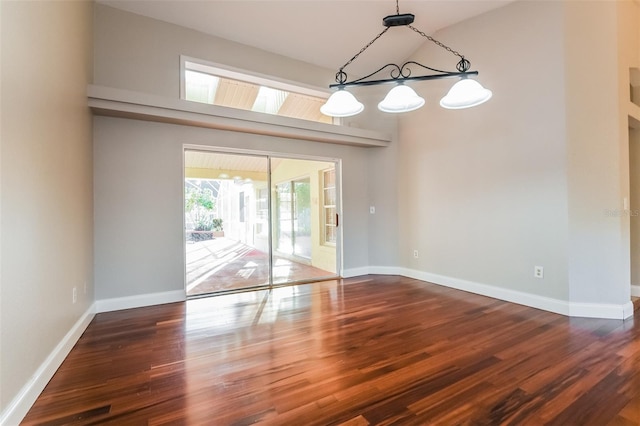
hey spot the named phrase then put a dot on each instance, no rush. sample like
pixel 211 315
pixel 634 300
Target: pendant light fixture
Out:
pixel 465 93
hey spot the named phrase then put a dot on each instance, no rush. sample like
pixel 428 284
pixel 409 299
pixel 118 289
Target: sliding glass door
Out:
pixel 293 207
pixel 254 221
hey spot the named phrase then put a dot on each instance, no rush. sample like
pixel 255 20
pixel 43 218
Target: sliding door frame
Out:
pixel 268 155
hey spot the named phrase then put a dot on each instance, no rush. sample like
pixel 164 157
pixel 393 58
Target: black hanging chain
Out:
pixel 428 37
pixel 462 66
pixel 341 76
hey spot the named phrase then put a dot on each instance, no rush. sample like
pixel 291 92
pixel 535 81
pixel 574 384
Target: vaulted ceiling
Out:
pixel 322 32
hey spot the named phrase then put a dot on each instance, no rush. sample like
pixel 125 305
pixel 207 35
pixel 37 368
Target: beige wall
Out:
pixel 142 54
pixel 482 191
pixel 382 193
pixel 46 177
pixel 525 179
pixel 597 148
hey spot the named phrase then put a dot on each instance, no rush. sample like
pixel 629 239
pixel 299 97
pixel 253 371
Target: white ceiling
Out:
pixel 322 32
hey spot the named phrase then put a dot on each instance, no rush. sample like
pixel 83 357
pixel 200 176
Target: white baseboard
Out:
pixel 601 310
pixel 355 272
pixel 628 310
pixel 521 298
pixel 376 270
pixel 572 309
pixel 20 405
pixel 140 300
pixel 383 270
pixel 635 290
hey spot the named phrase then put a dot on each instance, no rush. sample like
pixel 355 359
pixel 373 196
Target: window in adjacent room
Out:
pixel 233 89
pixel 329 205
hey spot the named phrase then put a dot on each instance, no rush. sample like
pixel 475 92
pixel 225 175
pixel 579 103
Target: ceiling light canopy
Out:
pixel 465 93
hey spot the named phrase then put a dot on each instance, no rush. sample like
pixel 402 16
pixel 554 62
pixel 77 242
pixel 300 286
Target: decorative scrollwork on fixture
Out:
pixel 464 94
pixel 400 72
pixel 463 65
pixel 403 72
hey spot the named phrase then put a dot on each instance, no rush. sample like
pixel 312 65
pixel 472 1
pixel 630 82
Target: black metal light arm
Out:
pixel 399 80
pixel 401 73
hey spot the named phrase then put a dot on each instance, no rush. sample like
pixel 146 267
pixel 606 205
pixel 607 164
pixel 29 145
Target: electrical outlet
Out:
pixel 415 254
pixel 372 210
pixel 75 295
pixel 538 272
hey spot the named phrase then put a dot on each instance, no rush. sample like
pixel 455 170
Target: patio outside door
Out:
pixel 254 221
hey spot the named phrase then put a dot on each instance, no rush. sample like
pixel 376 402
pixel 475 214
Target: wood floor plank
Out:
pixel 371 350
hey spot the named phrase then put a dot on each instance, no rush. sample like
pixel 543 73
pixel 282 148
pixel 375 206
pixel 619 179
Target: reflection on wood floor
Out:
pixel 367 350
pixel 224 264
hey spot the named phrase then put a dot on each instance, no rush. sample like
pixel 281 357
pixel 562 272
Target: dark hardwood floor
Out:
pixel 367 350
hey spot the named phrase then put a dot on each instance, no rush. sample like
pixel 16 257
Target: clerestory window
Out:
pixel 218 86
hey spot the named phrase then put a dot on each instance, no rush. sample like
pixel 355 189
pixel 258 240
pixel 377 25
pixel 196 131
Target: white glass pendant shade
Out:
pixel 341 104
pixel 401 99
pixel 466 93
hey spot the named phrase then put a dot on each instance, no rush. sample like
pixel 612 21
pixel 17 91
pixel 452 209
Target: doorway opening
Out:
pixel 255 221
pixel 634 186
pixel 634 218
